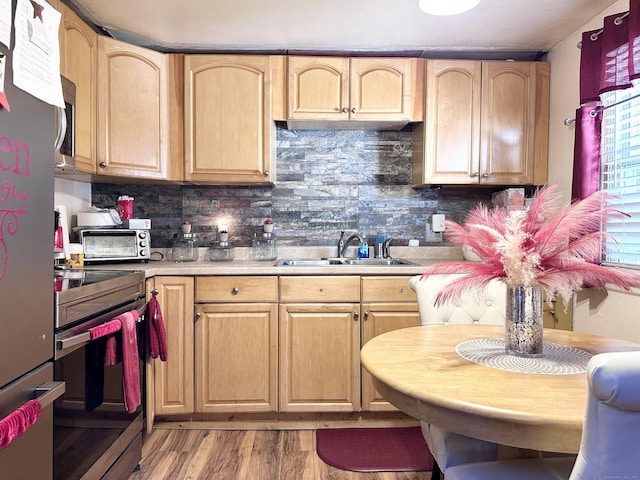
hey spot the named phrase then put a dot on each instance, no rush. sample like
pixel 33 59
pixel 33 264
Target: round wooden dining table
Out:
pixel 419 371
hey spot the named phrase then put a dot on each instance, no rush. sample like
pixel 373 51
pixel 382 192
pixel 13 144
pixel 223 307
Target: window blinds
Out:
pixel 620 174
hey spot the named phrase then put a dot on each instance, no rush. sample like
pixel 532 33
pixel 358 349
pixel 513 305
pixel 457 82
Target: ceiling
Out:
pixel 496 27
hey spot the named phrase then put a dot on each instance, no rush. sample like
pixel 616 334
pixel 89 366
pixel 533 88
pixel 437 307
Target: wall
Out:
pixel 76 196
pixel 595 311
pixel 358 181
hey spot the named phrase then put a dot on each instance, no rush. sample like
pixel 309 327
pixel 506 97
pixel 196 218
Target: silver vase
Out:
pixel 523 322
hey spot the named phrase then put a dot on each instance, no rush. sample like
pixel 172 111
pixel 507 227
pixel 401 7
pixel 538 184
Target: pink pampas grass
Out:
pixel 558 249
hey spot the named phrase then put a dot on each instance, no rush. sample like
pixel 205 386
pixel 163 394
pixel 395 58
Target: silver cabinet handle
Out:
pixel 353 110
pixel 266 173
pixel 103 164
pixel 475 174
pixel 234 291
pixel 49 391
pixel 485 175
pixel 344 110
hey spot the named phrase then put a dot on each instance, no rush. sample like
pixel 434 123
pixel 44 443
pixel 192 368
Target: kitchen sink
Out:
pixel 342 261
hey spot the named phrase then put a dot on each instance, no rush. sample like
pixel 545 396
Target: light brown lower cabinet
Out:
pixel 320 344
pixel 236 348
pixel 388 303
pixel 255 344
pixel 173 379
pixel 236 357
pixel 320 339
pixel 319 359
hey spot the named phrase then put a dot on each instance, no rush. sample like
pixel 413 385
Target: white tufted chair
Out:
pixel 450 448
pixel 609 447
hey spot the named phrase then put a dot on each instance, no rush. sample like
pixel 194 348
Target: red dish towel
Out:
pixel 130 368
pixel 105 329
pixel 108 330
pixel 18 422
pixel 157 333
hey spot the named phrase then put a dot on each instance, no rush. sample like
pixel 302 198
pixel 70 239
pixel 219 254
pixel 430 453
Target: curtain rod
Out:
pixel 570 121
pixel 594 36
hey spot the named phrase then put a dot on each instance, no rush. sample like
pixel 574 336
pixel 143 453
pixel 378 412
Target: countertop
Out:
pixel 243 264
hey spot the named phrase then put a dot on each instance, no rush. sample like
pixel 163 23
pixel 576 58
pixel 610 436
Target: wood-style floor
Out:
pixel 172 454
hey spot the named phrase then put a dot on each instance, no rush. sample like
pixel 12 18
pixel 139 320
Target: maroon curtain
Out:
pixel 586 179
pixel 609 60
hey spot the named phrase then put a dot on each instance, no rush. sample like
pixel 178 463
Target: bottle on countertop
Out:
pixel 363 249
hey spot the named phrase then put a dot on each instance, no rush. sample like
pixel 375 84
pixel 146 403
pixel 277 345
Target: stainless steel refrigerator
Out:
pixel 26 275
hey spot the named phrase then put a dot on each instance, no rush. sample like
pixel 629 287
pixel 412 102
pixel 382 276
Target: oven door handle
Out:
pixel 73 341
pixel 85 337
pixel 49 391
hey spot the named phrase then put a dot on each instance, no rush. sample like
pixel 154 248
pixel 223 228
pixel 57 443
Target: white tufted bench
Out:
pixel 488 310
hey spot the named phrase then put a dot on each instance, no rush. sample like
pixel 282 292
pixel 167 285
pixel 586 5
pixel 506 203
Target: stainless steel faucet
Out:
pixel 343 245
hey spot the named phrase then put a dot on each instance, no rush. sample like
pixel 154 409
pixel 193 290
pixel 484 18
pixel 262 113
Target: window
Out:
pixel 620 173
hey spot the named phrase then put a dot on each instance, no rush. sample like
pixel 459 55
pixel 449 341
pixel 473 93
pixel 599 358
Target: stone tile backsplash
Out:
pixel 358 181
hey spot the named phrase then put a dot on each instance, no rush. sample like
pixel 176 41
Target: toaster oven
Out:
pixel 115 245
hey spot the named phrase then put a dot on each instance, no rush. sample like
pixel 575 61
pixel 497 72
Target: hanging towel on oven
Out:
pixel 157 333
pixel 130 367
pixel 112 355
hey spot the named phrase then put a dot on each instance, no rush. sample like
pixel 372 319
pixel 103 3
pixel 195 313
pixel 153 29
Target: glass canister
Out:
pixel 221 252
pixel 184 248
pixel 264 246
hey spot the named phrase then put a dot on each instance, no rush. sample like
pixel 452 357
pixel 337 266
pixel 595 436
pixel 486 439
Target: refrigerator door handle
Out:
pixel 48 392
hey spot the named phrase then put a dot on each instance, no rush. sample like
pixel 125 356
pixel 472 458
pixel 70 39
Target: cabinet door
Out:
pixel 237 357
pixel 318 88
pixel 133 110
pixel 380 318
pixel 319 357
pixel 508 123
pixel 384 88
pixel 447 144
pixel 78 54
pixel 228 124
pixel 174 389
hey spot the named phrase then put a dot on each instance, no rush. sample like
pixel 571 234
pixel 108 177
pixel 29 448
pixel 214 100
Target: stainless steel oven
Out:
pixel 94 436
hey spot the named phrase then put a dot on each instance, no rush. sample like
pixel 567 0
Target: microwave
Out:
pixel 115 245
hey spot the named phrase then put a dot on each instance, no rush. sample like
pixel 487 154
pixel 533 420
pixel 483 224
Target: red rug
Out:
pixel 398 449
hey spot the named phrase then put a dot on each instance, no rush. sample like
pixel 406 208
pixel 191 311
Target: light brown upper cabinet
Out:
pixel 485 123
pixel 228 121
pixel 78 53
pixel 136 91
pixel 387 93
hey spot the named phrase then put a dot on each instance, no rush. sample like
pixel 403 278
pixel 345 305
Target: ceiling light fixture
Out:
pixel 446 7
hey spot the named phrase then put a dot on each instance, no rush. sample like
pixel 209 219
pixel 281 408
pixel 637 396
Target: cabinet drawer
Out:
pixel 320 289
pixel 236 289
pixel 387 289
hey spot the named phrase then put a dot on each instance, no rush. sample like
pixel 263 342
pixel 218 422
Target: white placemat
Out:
pixel 556 359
